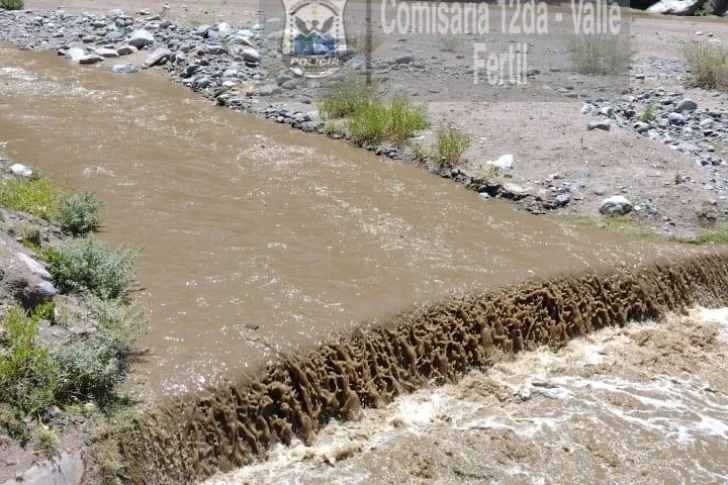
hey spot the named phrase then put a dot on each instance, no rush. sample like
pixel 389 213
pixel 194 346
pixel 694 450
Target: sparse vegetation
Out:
pixel 708 65
pixel 38 197
pixel 346 98
pixel 600 54
pixel 718 236
pixel 48 442
pixel 704 10
pixel 369 124
pixel 450 43
pixel 406 120
pixel 12 4
pixel 450 147
pixel 28 375
pixel 650 113
pixel 357 45
pixel 79 214
pixel 86 266
pixel 90 368
pixel 375 122
pixel 678 178
pixel 192 23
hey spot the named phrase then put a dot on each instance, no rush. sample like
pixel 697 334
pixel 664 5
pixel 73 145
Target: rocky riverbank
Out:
pixel 239 67
pixel 66 327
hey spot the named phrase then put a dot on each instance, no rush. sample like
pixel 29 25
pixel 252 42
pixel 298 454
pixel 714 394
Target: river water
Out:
pixel 256 238
pixel 248 225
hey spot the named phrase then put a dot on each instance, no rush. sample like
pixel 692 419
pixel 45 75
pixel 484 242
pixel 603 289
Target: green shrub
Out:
pixel 450 147
pixel 91 368
pixel 450 43
pixel 369 124
pixel 28 376
pixel 12 4
pixel 406 120
pixel 600 54
pixel 79 214
pixel 86 266
pixel 346 98
pixel 38 197
pixel 649 115
pixel 704 10
pixel 708 65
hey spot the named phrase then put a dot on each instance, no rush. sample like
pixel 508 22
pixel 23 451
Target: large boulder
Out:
pixel 676 7
pixel 616 205
pixel 720 7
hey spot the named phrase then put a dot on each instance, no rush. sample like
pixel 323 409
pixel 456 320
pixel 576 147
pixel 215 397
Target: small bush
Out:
pixel 86 266
pixel 406 120
pixel 91 368
pixel 12 4
pixel 370 124
pixel 356 45
pixel 450 43
pixel 38 197
pixel 600 54
pixel 79 214
pixel 708 65
pixel 27 372
pixel 346 98
pixel 450 147
pixel 649 114
pixel 704 10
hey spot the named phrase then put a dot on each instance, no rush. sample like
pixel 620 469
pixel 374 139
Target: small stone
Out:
pixel 91 59
pixel 21 170
pixel 686 105
pixel 141 38
pixel 405 60
pixel 126 50
pixel 75 54
pixel 616 205
pixel 503 162
pixel 676 118
pixel 601 125
pixel 108 53
pixel 158 57
pixel 251 56
pixel 124 69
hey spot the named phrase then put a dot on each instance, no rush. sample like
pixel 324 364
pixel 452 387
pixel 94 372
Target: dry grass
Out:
pixel 600 54
pixel 708 65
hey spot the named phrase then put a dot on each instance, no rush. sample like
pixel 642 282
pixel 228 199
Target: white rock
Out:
pixel 34 266
pixel 503 162
pixel 104 52
pixel 616 205
pixel 141 38
pixel 251 55
pixel 21 170
pixel 675 7
pixel 75 54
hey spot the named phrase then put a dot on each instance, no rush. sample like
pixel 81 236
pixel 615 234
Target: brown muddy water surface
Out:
pixel 256 238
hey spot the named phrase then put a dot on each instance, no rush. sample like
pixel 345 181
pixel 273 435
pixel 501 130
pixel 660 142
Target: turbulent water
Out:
pixel 647 403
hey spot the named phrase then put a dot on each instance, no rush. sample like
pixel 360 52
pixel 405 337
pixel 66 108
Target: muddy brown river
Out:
pixel 254 237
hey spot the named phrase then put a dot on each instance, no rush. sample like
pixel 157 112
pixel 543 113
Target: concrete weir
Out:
pixel 232 424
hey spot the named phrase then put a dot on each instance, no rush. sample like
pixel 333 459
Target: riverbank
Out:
pixel 66 326
pixel 541 154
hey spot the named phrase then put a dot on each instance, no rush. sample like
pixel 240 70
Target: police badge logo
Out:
pixel 314 41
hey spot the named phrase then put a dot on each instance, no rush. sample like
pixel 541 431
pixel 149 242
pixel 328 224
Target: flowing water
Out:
pixel 256 239
pixel 647 403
